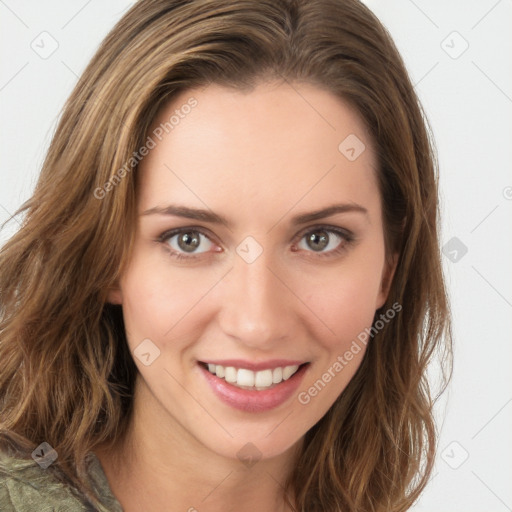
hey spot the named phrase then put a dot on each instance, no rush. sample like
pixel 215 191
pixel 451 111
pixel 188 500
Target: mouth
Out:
pixel 253 380
pixel 264 387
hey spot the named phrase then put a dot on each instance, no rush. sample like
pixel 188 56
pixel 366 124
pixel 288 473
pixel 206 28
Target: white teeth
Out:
pixel 277 375
pixel 260 380
pixel 245 377
pixel 289 371
pixel 230 374
pixel 263 379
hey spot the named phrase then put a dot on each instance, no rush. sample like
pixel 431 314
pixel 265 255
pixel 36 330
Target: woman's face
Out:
pixel 235 265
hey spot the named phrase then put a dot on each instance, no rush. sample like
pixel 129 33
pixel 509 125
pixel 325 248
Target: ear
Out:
pixel 115 295
pixel 386 280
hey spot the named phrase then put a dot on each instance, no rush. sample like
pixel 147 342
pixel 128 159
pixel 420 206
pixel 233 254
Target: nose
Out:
pixel 257 307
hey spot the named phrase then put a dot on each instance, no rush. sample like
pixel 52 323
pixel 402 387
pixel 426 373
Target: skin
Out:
pixel 258 159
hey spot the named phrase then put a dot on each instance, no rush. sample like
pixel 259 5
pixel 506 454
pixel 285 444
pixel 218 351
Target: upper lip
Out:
pixel 255 366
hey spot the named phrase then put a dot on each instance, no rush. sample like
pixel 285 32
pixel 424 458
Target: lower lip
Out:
pixel 255 401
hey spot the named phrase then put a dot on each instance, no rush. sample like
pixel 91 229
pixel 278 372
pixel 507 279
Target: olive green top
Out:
pixel 27 487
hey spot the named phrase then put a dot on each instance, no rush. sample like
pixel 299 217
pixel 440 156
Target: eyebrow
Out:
pixel 214 218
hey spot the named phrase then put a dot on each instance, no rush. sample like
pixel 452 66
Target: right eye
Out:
pixel 184 242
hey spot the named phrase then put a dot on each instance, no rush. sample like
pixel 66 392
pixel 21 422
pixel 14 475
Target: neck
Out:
pixel 159 463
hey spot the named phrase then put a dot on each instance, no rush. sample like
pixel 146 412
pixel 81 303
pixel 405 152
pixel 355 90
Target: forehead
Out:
pixel 269 149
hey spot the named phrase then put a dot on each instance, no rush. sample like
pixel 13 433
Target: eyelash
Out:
pixel 346 236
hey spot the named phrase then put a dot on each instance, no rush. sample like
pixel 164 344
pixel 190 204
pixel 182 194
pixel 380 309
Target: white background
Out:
pixel 468 100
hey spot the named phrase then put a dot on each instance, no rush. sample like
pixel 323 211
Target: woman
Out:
pixel 227 286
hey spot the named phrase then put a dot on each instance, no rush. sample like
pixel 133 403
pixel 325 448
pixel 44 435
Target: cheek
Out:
pixel 153 300
pixel 345 302
pixel 163 302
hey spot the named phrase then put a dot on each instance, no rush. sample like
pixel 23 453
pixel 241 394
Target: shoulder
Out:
pixel 24 487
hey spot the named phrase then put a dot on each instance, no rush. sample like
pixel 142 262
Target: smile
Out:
pixel 249 379
pixel 262 387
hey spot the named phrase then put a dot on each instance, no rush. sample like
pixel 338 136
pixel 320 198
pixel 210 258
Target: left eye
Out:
pixel 321 240
pixel 189 241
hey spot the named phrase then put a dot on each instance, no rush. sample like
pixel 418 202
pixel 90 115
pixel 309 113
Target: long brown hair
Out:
pixel 66 373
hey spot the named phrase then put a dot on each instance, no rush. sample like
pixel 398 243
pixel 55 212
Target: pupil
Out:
pixel 318 242
pixel 189 243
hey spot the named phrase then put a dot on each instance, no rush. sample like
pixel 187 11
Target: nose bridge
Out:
pixel 254 309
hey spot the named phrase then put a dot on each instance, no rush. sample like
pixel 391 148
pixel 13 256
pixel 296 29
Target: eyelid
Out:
pixel 170 233
pixel 347 235
pixel 326 227
pixel 348 238
pixel 206 232
pixel 176 231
